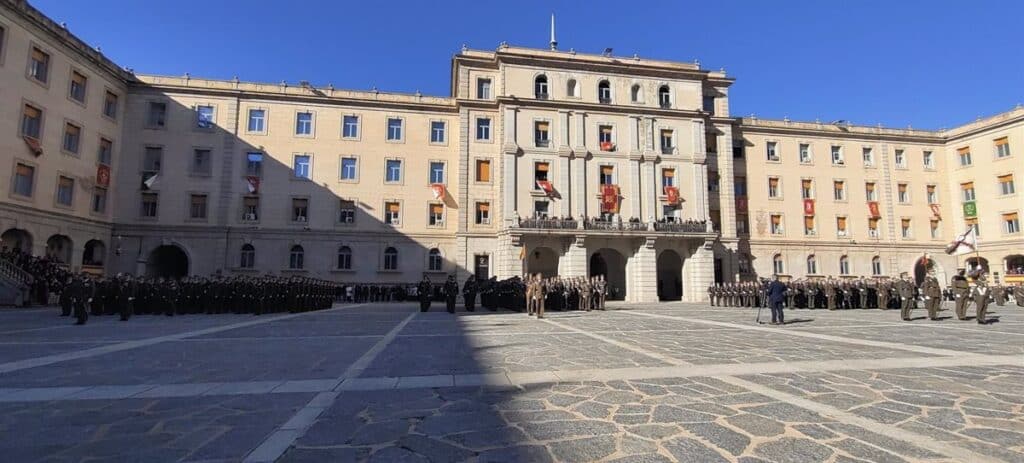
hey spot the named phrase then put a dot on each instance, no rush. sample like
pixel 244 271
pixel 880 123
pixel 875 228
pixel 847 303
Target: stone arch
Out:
pixel 610 264
pixel 542 260
pixel 670 276
pixel 924 264
pixel 167 261
pixel 94 253
pixel 59 248
pixel 1013 264
pixel 17 238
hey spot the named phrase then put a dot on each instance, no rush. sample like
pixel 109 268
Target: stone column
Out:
pixel 575 259
pixel 726 176
pixel 510 150
pixel 651 188
pixel 579 165
pixel 645 273
pixel 634 188
pixel 564 154
pixel 700 270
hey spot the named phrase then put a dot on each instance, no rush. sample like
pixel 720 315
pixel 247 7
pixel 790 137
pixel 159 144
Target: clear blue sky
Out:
pixel 929 64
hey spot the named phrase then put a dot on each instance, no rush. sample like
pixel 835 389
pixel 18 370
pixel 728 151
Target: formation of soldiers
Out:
pixel 558 293
pixel 871 293
pixel 533 294
pixel 48 274
pixel 125 295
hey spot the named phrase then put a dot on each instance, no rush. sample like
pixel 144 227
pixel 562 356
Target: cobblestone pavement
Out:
pixel 647 383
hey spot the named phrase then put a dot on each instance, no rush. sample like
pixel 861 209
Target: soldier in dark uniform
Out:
pixel 66 300
pixel 82 294
pixel 962 293
pixel 451 293
pixel 469 293
pixel 932 295
pixel 424 291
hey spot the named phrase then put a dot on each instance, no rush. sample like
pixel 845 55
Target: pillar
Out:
pixel 700 272
pixel 645 273
pixel 579 165
pixel 510 150
pixel 575 259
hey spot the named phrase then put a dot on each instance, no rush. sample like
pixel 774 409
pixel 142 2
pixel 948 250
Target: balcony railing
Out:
pixel 596 224
pixel 549 224
pixel 541 143
pixel 681 227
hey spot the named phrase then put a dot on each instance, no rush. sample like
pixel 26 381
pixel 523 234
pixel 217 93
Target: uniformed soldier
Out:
pixel 469 293
pixel 962 292
pixel 711 295
pixel 830 294
pixel 981 294
pixel 600 291
pixel 999 295
pixel 932 295
pixel 906 292
pixel 424 291
pixel 451 293
pixel 1018 294
pixel 66 300
pixel 83 291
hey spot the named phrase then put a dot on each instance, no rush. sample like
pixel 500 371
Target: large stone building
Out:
pixel 539 161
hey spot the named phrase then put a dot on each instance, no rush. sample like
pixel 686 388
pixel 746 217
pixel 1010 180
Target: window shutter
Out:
pixel 869 186
pixel 38 55
pixel 1002 141
pixel 1010 216
pixel 542 167
pixel 31 112
pixel 1005 178
pixel 806 184
pixel 902 187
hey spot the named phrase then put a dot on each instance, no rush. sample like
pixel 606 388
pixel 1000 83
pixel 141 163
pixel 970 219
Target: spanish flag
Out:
pixel 522 253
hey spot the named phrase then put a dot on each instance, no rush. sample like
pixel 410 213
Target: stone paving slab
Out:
pixel 980 341
pixel 11 351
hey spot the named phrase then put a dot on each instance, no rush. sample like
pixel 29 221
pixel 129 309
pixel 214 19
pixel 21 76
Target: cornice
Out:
pixel 599 108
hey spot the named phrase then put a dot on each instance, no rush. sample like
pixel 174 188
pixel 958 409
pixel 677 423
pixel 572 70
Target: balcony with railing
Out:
pixel 596 224
pixel 549 224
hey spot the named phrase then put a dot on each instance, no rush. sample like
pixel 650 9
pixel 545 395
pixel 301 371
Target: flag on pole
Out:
pixel 522 253
pixel 253 183
pixel 148 180
pixel 966 243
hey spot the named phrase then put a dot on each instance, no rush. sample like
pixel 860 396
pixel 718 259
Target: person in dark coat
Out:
pixel 776 295
pixel 451 292
pixel 469 293
pixel 424 292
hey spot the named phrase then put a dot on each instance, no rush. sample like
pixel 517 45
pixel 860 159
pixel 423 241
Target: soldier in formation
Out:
pixel 451 293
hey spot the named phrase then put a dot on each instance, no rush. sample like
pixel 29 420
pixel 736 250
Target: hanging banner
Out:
pixel 741 205
pixel 873 209
pixel 808 207
pixel 253 183
pixel 33 145
pixel 149 180
pixel 438 190
pixel 970 209
pixel 936 211
pixel 103 175
pixel 610 199
pixel 546 186
pixel 673 194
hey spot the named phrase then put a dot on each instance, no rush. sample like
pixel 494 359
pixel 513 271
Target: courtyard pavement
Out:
pixel 385 383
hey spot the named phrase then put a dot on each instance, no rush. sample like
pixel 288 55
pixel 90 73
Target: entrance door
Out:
pixel 612 265
pixel 482 266
pixel 718 270
pixel 670 276
pixel 167 261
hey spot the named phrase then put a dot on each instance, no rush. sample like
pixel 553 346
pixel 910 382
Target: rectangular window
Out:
pixel 31 122
pixel 869 191
pixel 968 191
pixel 772 151
pixel 78 86
pixel 1002 146
pixel 202 162
pixel 301 167
pixel 773 187
pixel 776 221
pixel 110 105
pixel 667 143
pixel 934 225
pixel 257 120
pixel 841 227
pixel 437 132
pixel 708 104
pixel 436 172
pixel 901 159
pixel 24 180
pixel 300 210
pixel 737 149
pixel 839 190
pixel 929 160
pixel 805 153
pixel 99 200
pixel 483 128
pixel 152 159
pixel 965 156
pixel 39 65
pixel 349 169
pixel 105 151
pixel 149 205
pixel 807 188
pixel 932 194
pixel 740 186
pixel 713 181
pixel 1006 186
pixel 483 89
pixel 668 178
pixel 392 213
pixel 837 156
pixel 541 134
pixel 483 213
pixel 204 117
pixel 65 190
pixel 902 195
pixel 604 136
pixel 1011 223
pixel 540 209
pixel 304 123
pixel 394 129
pixel 346 211
pixel 809 229
pixel 157 115
pixel 350 127
pixel 607 176
pixel 868 155
pixel 742 224
pixel 251 208
pixel 905 228
pixel 393 171
pixel 197 209
pixel 72 137
pixel 873 227
pixel 973 223
pixel 483 170
pixel 436 215
pixel 540 174
pixel 254 164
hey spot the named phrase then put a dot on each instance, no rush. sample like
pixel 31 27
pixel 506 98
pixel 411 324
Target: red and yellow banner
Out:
pixel 873 209
pixel 808 207
pixel 936 211
pixel 438 190
pixel 673 194
pixel 741 205
pixel 610 199
pixel 103 175
pixel 546 186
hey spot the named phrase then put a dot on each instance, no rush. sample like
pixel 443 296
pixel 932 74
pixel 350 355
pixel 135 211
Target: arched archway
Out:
pixel 58 247
pixel 923 265
pixel 670 276
pixel 94 254
pixel 16 238
pixel 543 260
pixel 1014 264
pixel 612 265
pixel 168 261
pixel 974 264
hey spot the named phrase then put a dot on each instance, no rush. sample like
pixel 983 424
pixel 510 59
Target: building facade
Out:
pixel 539 161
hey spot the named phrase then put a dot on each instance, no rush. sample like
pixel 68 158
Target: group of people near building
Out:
pixel 83 295
pixel 533 293
pixel 48 274
pixel 868 293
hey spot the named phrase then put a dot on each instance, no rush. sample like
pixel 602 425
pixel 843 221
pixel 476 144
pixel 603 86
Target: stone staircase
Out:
pixel 15 284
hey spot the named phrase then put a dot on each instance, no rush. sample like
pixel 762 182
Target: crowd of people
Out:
pixel 872 293
pixel 48 274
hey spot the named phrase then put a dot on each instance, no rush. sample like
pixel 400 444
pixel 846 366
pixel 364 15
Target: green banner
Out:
pixel 970 209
